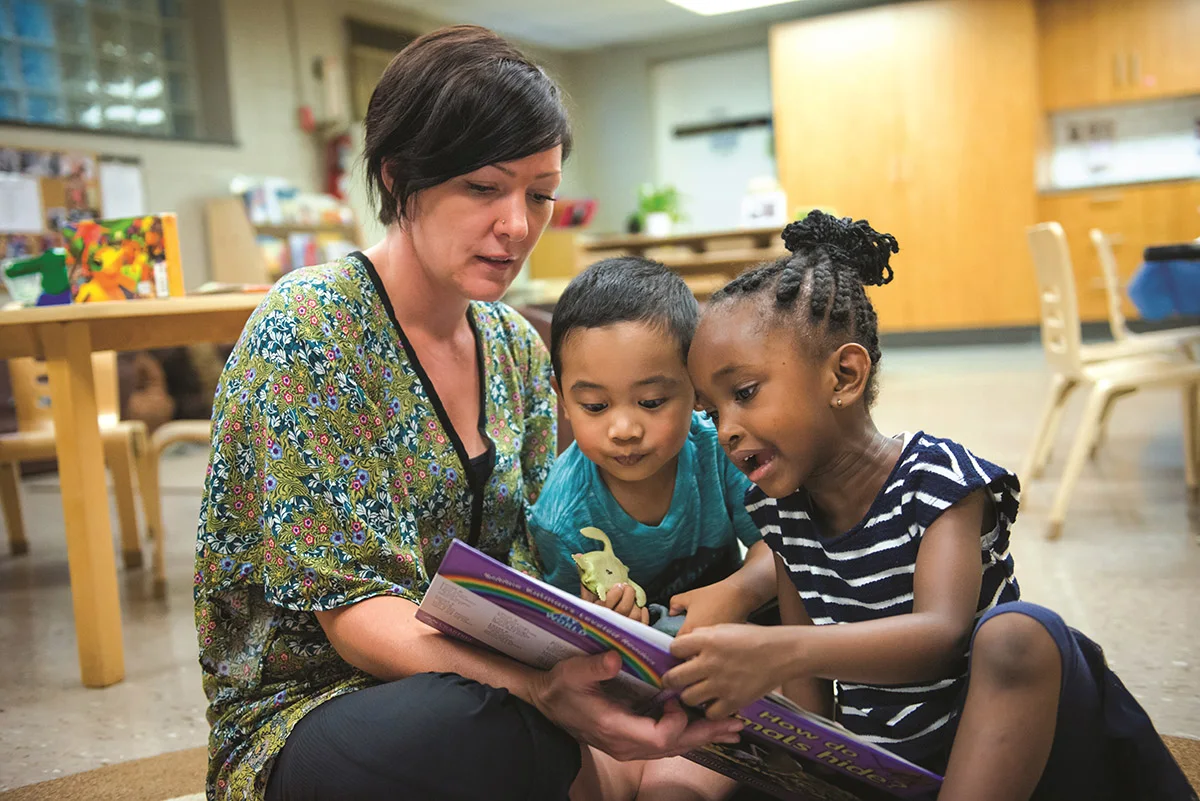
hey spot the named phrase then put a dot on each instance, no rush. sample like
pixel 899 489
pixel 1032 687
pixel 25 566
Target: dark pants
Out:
pixel 434 737
pixel 1105 747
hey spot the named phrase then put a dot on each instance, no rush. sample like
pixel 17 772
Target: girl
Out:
pixel 902 540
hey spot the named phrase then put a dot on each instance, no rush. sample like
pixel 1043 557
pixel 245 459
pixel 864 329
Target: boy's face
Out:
pixel 626 391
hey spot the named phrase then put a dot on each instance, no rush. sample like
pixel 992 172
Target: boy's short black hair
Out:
pixel 626 289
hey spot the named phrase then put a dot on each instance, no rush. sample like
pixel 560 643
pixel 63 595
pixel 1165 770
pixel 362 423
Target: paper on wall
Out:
pixel 20 204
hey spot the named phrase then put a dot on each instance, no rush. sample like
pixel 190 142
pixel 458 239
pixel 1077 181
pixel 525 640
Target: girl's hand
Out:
pixel 621 599
pixel 729 666
pixel 708 606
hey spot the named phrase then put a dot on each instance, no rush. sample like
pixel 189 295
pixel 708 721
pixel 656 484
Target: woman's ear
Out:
pixel 385 172
pixel 852 367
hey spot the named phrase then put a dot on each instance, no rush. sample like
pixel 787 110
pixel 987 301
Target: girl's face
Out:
pixel 473 233
pixel 770 400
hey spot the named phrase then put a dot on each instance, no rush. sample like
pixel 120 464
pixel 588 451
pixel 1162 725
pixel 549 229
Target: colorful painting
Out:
pixel 136 257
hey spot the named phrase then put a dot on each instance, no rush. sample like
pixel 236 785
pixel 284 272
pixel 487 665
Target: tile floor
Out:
pixel 1127 570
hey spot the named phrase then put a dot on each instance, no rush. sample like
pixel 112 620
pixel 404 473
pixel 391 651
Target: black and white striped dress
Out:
pixel 866 573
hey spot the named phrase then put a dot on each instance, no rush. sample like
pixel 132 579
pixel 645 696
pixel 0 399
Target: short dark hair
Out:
pixel 452 101
pixel 626 289
pixel 821 284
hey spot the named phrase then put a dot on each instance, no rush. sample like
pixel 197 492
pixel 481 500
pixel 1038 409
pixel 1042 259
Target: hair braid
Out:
pixel 831 262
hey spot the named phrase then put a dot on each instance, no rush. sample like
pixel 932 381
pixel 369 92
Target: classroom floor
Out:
pixel 1127 570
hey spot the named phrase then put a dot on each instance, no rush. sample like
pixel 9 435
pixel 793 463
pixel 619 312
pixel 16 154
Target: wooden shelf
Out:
pixel 282 231
pixel 726 262
pixel 699 242
pixel 707 260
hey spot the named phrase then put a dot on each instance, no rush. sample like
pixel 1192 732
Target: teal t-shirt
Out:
pixel 695 544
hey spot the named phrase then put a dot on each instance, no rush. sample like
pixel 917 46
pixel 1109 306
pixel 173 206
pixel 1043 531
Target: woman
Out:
pixel 373 410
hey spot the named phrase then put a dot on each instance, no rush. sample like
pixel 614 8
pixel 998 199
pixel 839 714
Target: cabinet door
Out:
pixel 968 74
pixel 1094 52
pixel 1075 63
pixel 1164 49
pixel 837 125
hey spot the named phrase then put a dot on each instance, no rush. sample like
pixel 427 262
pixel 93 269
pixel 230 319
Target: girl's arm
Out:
pixel 733 665
pixel 923 645
pixel 815 695
pixel 731 600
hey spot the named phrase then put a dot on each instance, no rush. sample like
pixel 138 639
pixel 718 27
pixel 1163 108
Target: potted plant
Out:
pixel 658 208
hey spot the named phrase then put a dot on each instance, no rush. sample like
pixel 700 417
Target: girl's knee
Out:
pixel 1015 650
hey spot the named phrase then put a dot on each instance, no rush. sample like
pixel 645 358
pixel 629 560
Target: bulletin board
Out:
pixel 41 189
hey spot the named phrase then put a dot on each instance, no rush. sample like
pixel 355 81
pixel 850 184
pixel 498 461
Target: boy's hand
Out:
pixel 728 666
pixel 708 606
pixel 622 600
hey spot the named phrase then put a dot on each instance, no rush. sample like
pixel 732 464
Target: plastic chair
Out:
pixel 126 451
pixel 1184 339
pixel 1104 381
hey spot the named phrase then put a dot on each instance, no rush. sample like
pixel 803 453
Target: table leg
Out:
pixel 68 351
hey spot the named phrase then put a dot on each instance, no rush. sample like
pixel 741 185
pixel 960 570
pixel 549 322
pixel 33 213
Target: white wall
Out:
pixel 712 171
pixel 614 102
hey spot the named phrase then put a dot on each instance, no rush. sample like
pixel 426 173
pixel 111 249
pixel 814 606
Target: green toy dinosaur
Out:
pixel 600 571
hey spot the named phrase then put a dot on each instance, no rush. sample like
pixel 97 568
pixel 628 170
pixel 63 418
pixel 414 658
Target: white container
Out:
pixel 658 224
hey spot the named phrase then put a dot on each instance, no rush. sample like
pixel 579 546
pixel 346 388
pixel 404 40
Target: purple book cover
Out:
pixel 785 751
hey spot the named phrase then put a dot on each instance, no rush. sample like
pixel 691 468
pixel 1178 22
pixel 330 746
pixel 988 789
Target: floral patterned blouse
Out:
pixel 335 476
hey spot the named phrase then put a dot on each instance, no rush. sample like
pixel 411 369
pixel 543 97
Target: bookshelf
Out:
pixel 234 254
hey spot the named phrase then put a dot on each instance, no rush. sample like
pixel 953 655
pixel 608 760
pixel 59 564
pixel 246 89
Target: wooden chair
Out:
pixel 1105 381
pixel 126 451
pixel 1185 340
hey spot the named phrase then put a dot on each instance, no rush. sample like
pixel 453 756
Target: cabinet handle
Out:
pixel 1118 70
pixel 1135 69
pixel 1105 197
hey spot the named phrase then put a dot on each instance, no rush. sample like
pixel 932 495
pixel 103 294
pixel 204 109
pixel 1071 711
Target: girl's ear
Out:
pixel 852 367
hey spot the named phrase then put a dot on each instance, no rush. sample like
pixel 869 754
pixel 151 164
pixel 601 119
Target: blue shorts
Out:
pixel 1105 747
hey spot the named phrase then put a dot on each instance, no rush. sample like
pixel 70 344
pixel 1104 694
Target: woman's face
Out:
pixel 473 232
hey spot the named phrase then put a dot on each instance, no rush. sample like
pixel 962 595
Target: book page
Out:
pixel 496 627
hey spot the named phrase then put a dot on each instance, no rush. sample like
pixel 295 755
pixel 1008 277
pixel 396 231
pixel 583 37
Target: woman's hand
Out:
pixel 570 695
pixel 729 666
pixel 621 599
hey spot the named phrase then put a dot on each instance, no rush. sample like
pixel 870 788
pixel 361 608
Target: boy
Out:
pixel 644 468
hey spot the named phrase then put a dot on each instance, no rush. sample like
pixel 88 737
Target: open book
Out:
pixel 784 750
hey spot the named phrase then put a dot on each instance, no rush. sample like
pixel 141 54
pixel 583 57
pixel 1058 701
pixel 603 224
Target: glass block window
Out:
pixel 112 65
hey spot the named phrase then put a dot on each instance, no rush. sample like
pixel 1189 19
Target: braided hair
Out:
pixel 831 262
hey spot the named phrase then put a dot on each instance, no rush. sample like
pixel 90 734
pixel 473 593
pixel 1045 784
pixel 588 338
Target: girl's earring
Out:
pixel 839 403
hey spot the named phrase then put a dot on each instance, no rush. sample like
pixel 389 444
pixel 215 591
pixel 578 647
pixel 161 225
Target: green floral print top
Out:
pixel 335 476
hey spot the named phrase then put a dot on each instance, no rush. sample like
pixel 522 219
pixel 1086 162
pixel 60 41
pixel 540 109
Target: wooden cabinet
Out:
pixel 922 118
pixel 1135 217
pixel 1094 52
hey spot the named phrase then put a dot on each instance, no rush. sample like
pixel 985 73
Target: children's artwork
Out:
pixel 123 259
pixel 784 750
pixel 40 163
pixel 15 246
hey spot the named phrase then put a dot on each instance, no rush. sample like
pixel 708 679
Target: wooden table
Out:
pixel 65 337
